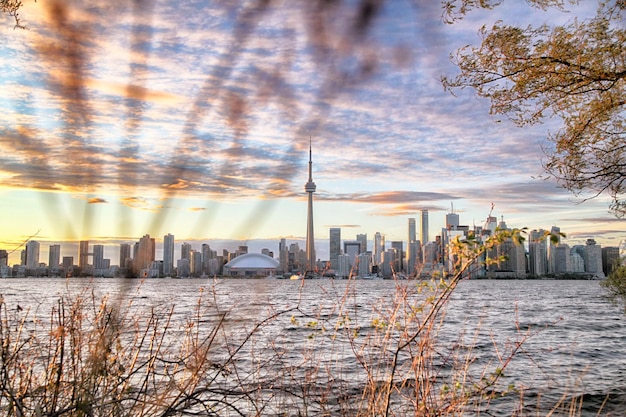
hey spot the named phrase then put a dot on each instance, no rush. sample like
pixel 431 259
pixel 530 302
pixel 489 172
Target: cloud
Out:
pixel 96 200
pixel 140 203
pixel 388 197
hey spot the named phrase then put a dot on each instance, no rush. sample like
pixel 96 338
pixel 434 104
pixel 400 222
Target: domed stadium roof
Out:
pixel 253 261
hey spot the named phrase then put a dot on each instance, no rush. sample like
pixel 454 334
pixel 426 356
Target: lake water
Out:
pixel 566 341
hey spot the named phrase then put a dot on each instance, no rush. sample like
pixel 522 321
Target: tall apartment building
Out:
pixel 83 254
pixel 283 255
pixel 610 259
pixel 334 247
pixel 537 253
pixel 362 239
pixel 168 255
pixel 411 248
pixel 144 254
pixel 398 262
pixel 352 248
pixel 125 257
pixel 379 248
pixel 98 257
pixel 185 251
pixel 54 256
pixel 424 227
pixel 32 254
pixel 593 258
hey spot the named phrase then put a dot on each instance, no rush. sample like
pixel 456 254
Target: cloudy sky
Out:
pixel 194 118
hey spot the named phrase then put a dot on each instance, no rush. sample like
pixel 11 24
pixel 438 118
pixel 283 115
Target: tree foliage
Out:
pixel 616 285
pixel 576 72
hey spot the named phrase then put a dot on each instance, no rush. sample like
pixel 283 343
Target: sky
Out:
pixel 120 119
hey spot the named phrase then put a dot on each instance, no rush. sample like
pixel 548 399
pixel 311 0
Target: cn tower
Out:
pixel 310 239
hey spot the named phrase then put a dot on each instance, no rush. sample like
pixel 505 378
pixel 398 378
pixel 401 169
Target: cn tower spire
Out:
pixel 310 239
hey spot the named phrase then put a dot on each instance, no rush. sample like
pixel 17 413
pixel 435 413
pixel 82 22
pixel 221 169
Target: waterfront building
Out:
pixel 379 248
pixel 424 227
pixel 593 259
pixel 413 257
pixel 168 254
pixel 182 268
pixel 251 265
pixel 32 254
pixel 207 256
pixel 196 263
pixel 562 259
pixel 387 267
pixel 144 254
pixel 398 261
pixel 309 187
pixel 537 253
pixel 283 255
pixel 54 256
pixel 577 263
pixel 353 249
pixel 68 265
pixel 411 248
pixel 334 247
pixel 343 270
pixel 610 259
pixel 362 239
pixel 98 257
pixel 125 258
pixel 364 268
pixel 83 254
pixel 185 251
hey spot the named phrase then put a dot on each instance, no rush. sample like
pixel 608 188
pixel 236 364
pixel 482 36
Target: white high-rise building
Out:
pixel 343 270
pixel 32 254
pixel 593 258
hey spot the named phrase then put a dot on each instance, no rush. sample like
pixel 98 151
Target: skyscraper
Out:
pixel 144 254
pixel 124 254
pixel 310 238
pixel 379 248
pixel 54 256
pixel 32 254
pixel 335 247
pixel 399 256
pixel 411 249
pixel 185 251
pixel 83 254
pixel 168 254
pixel 424 227
pixel 98 256
pixel 362 239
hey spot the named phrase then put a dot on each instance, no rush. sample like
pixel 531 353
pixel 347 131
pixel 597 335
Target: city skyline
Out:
pixel 145 149
pixel 81 253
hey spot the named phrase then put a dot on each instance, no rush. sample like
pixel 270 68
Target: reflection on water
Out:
pixel 573 338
